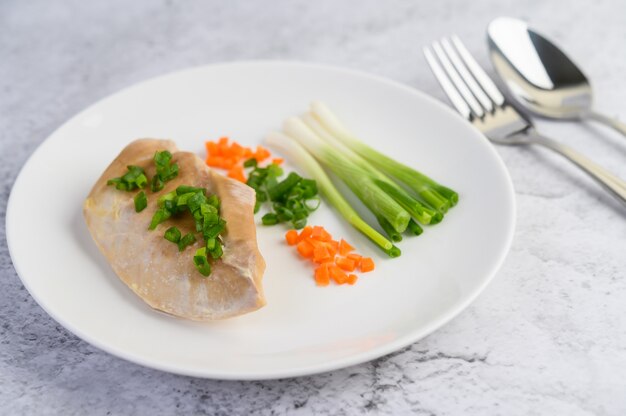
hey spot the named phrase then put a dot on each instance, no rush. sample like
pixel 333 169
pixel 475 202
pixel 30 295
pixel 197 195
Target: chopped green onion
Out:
pixel 157 184
pixel 289 196
pixel 270 219
pixel 250 163
pixel 312 203
pixel 134 178
pixel 172 234
pixel 159 216
pixel 201 262
pixel 281 188
pixel 217 251
pixel 185 241
pixel 205 212
pixel 167 197
pixel 185 189
pixel 141 202
pixel 194 202
pixel 165 170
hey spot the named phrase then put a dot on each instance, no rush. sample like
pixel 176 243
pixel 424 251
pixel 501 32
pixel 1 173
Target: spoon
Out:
pixel 540 76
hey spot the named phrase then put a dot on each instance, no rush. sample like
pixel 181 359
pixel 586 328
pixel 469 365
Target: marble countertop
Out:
pixel 547 337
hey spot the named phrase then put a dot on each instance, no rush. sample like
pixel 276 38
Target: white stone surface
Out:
pixel 548 336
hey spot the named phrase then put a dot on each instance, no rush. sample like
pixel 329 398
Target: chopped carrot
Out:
pixel 214 161
pixel 305 233
pixel 211 148
pixel 344 247
pixel 317 232
pixel 305 249
pixel 352 278
pixel 278 161
pixel 322 277
pixel 356 257
pixel 331 249
pixel 325 236
pixel 236 150
pixel 367 264
pixel 236 172
pixel 338 275
pixel 345 264
pixel 222 142
pixel 261 154
pixel 227 163
pixel 291 237
pixel 320 254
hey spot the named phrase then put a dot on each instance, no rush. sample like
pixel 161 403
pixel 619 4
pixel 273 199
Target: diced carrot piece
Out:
pixel 356 257
pixel 305 249
pixel 314 242
pixel 345 264
pixel 352 278
pixel 227 163
pixel 222 142
pixel 236 172
pixel 335 244
pixel 278 161
pixel 261 154
pixel 338 275
pixel 211 148
pixel 320 254
pixel 305 233
pixel 325 236
pixel 291 237
pixel 236 150
pixel 331 249
pixel 247 153
pixel 215 161
pixel 322 277
pixel 367 264
pixel 317 232
pixel 344 247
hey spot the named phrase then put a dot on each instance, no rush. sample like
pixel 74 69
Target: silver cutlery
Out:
pixel 539 75
pixel 478 99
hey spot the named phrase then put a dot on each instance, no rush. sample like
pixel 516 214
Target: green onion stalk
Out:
pixel 419 211
pixel 436 195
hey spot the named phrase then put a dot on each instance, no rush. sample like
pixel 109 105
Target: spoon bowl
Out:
pixel 539 75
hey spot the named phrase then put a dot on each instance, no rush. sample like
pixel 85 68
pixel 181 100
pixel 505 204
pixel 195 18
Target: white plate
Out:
pixel 304 329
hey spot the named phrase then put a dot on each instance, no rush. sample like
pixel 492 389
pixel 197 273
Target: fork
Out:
pixel 477 98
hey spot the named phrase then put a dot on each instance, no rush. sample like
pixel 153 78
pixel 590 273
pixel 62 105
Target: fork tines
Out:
pixel 466 84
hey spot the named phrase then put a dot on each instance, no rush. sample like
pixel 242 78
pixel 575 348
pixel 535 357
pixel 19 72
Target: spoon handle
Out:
pixel 608 121
pixel 614 185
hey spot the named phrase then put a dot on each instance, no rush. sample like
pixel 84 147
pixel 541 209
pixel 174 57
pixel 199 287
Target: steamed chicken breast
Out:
pixel 151 266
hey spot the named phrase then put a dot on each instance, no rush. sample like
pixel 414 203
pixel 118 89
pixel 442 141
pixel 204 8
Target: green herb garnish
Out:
pixel 205 212
pixel 172 234
pixel 135 178
pixel 141 202
pixel 165 170
pixel 201 262
pixel 159 216
pixel 293 198
pixel 187 240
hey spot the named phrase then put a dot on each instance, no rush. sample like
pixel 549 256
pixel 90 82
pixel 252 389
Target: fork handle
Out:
pixel 614 185
pixel 608 121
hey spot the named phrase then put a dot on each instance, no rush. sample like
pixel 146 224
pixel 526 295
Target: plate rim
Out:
pixel 382 350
